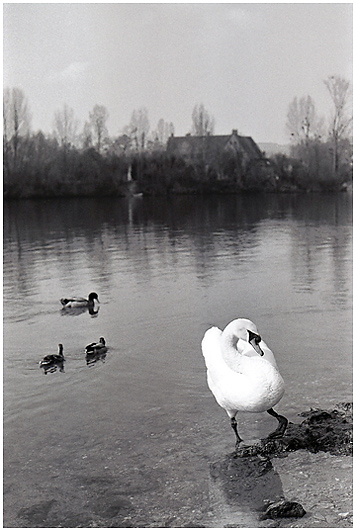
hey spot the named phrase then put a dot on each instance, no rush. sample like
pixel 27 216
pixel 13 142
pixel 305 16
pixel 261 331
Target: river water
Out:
pixel 131 440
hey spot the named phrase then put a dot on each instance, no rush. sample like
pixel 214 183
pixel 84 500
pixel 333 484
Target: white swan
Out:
pixel 242 372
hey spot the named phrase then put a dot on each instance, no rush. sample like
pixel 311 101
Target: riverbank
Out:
pixel 202 189
pixel 90 174
pixel 309 468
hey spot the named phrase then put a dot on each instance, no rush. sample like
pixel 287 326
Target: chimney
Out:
pixel 234 132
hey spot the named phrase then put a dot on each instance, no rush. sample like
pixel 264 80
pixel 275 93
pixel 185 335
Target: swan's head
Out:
pixel 245 330
pixel 60 349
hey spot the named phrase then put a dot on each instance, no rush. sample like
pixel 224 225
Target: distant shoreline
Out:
pixel 203 190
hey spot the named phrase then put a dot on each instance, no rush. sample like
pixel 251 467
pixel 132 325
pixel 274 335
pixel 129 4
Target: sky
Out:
pixel 244 62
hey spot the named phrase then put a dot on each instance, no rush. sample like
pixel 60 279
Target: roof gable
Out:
pixel 190 145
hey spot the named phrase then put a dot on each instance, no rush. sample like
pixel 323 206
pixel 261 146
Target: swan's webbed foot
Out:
pixel 282 426
pixel 234 427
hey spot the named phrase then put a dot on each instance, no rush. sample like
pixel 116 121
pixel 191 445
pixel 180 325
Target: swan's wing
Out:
pixel 210 345
pixel 223 381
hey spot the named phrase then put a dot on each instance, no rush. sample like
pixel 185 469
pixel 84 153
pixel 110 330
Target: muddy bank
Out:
pixel 320 431
pixel 301 480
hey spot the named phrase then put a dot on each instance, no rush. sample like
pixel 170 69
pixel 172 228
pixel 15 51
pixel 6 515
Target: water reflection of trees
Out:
pixel 324 237
pixel 140 234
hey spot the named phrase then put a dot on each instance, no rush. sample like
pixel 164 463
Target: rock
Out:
pixel 283 509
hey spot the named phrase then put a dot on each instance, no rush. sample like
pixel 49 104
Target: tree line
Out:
pixel 70 161
pixel 320 148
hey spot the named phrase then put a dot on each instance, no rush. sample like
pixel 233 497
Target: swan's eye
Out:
pixel 253 336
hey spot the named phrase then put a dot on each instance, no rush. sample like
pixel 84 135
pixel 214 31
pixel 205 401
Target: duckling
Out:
pixel 96 348
pixel 80 302
pixel 52 359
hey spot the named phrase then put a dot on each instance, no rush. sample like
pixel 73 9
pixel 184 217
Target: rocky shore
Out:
pixel 302 480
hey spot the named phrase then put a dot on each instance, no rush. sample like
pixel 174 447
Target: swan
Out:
pixel 96 348
pixel 51 359
pixel 80 302
pixel 242 372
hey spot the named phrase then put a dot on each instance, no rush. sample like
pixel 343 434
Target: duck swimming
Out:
pixel 80 302
pixel 242 372
pixel 96 348
pixel 53 359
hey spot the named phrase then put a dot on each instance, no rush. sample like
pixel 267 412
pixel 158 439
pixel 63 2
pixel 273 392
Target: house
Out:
pixel 208 148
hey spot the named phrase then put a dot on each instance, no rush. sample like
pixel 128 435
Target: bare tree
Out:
pixel 16 121
pixel 164 131
pixel 340 91
pixel 86 137
pixel 98 120
pixel 303 123
pixel 138 128
pixel 65 126
pixel 203 122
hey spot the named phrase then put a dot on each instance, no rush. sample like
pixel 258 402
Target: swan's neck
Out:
pixel 231 355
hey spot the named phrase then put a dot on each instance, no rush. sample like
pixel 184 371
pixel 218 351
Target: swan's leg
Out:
pixel 282 426
pixel 234 427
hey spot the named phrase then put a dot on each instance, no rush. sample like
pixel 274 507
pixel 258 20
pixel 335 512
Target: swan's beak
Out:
pixel 256 346
pixel 254 340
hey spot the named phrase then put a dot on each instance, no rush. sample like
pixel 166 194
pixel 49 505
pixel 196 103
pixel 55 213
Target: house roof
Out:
pixel 212 142
pixel 250 146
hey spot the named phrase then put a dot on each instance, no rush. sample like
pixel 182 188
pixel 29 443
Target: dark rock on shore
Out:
pixel 283 509
pixel 321 431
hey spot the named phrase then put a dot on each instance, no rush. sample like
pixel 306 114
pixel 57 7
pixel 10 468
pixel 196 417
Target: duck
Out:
pixel 96 348
pixel 52 359
pixel 80 302
pixel 242 373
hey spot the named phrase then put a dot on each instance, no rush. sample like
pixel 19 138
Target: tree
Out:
pixel 138 128
pixel 16 123
pixel 203 122
pixel 303 123
pixel 340 91
pixel 65 126
pixel 164 131
pixel 98 120
pixel 86 137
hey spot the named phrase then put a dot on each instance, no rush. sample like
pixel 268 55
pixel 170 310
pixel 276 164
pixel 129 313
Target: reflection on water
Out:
pixel 218 230
pixel 78 311
pixel 133 439
pixel 247 482
pixel 94 357
pixel 53 367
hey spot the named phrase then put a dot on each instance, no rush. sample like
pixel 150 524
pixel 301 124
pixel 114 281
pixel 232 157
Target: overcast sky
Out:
pixel 244 62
